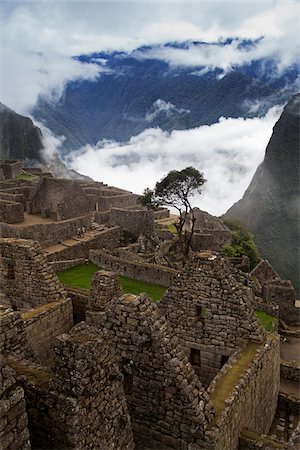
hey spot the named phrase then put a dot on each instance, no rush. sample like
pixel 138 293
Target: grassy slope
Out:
pixel 81 277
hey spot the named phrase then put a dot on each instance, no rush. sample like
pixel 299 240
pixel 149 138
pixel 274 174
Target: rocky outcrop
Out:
pixel 19 138
pixel 270 205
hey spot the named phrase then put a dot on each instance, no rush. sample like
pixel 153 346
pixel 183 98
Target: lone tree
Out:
pixel 175 190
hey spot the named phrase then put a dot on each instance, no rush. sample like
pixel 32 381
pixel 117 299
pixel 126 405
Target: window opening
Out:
pixel 224 359
pixel 195 358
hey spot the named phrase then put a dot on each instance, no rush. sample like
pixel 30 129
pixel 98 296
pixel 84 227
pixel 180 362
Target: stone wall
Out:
pixel 11 197
pixel 25 276
pixel 23 190
pixel 101 217
pixel 253 402
pixel 210 240
pixel 11 212
pixel 66 198
pixel 290 370
pixel 151 273
pixel 255 441
pixel 44 324
pixel 135 222
pixel 108 239
pixel 13 337
pixel 116 201
pixel 10 168
pixel 47 233
pixel 264 272
pixel 58 266
pixel 162 213
pixel 82 404
pixel 167 404
pixel 74 203
pixel 79 298
pixel 211 313
pixel 282 293
pixel 14 433
pixel 288 403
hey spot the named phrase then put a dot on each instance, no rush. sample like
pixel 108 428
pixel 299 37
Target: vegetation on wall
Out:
pixel 242 244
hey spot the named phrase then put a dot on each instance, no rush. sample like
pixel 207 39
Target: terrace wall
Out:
pixel 109 239
pixel 151 273
pixel 11 212
pixel 116 201
pixel 11 197
pixel 43 324
pixel 135 222
pixel 47 233
pixel 253 402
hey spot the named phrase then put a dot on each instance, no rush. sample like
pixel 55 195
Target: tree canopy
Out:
pixel 176 190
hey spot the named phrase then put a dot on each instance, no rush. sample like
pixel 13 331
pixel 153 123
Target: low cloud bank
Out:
pixel 228 152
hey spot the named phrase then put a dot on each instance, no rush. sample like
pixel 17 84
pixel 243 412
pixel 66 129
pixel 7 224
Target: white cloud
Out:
pixel 167 108
pixel 228 153
pixel 38 39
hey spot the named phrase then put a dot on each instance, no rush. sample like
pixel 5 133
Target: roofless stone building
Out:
pixel 136 374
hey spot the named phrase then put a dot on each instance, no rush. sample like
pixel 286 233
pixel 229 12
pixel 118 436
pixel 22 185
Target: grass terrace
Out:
pixel 268 322
pixel 25 176
pixel 226 383
pixel 81 277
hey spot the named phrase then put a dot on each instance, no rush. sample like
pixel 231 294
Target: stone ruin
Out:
pixel 128 377
pixel 271 290
pixel 102 370
pixel 10 169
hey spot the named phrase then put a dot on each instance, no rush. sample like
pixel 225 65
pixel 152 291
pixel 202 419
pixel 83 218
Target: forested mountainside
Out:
pixel 138 91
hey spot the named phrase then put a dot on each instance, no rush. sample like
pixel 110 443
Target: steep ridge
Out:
pixel 270 205
pixel 19 138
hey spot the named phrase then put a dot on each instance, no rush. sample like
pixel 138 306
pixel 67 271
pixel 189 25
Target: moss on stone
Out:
pixel 256 437
pixel 38 310
pixel 226 382
pixel 33 375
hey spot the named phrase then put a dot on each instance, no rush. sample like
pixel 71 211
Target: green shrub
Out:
pixel 243 244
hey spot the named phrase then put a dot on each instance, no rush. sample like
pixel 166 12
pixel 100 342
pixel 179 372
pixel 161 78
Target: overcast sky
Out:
pixel 39 38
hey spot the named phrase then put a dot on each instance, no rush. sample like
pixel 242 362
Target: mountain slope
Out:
pixel 135 92
pixel 270 205
pixel 19 138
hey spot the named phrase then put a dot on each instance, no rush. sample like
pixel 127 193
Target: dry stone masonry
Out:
pixel 192 372
pixel 211 313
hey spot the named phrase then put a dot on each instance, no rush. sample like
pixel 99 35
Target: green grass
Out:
pixel 230 378
pixel 24 176
pixel 266 320
pixel 81 277
pixel 155 291
pixel 172 228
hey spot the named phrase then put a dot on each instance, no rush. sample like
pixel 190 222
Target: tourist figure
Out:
pixel 83 231
pixel 79 232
